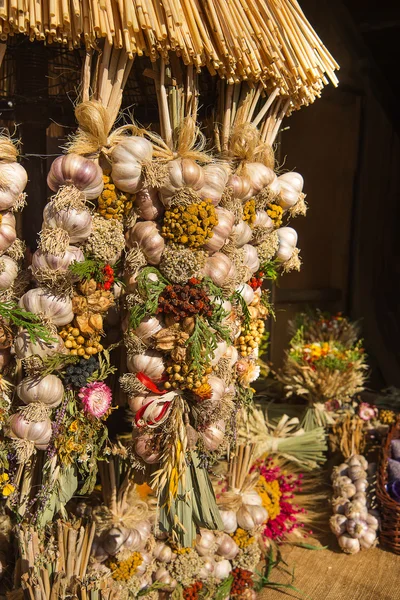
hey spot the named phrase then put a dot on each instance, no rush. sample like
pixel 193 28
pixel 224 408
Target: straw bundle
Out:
pixel 265 40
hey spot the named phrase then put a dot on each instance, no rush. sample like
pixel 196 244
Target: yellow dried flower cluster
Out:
pixel 275 212
pixel 249 212
pixel 123 570
pixel 6 487
pixel 270 493
pixel 242 538
pixel 77 344
pixel 190 225
pixel 180 376
pixel 112 204
pixel 250 337
pixel 387 416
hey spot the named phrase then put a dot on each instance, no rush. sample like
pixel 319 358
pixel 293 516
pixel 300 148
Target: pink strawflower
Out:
pixel 367 412
pixel 96 398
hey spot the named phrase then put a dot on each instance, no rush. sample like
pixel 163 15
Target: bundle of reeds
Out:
pixel 264 40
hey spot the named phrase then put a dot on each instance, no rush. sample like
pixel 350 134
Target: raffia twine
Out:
pixel 246 146
pixel 8 148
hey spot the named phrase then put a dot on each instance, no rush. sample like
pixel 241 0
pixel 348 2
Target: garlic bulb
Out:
pixel 222 569
pixel 216 176
pixel 219 352
pixel 288 195
pixel 163 577
pixel 5 357
pixel 73 169
pixel 349 544
pixel 162 552
pixel 361 485
pixel 356 527
pixel 250 516
pixel 263 220
pixel 218 267
pixel 8 234
pixel 372 521
pixel 287 235
pixel 252 498
pixel 227 547
pixel 241 186
pixel 222 231
pixel 368 539
pixel 356 472
pixel 44 261
pixel 77 223
pixel 229 520
pixel 250 258
pixel 146 234
pixel 205 541
pixel 143 448
pixel 24 347
pixel 259 175
pixel 39 433
pixel 246 292
pixel 208 568
pixel 8 272
pixel 213 435
pixel 339 505
pixel 338 524
pixel 48 390
pixel 126 163
pixel 114 539
pixel 274 187
pixel 147 328
pixel 242 233
pixel 57 309
pixel 147 204
pixel 134 541
pixel 13 180
pixel 294 179
pixel 182 172
pixel 150 363
pixel 217 388
pixel 137 402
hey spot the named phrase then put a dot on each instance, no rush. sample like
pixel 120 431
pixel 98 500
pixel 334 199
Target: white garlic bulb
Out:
pixel 150 363
pixel 246 292
pixel 74 169
pixel 114 539
pixel 13 178
pixel 250 516
pixel 205 541
pixel 146 234
pixel 77 223
pixel 241 187
pixel 294 179
pixel 44 261
pixel 147 328
pixel 213 435
pixel 349 544
pixel 250 258
pixel 57 309
pixel 24 347
pixel 182 172
pixel 260 176
pixel 8 234
pixel 263 220
pixel 216 175
pixel 338 524
pixel 126 160
pixel 39 432
pixel 147 204
pixel 221 231
pixel 8 272
pixel 242 233
pixel 48 390
pixel 162 552
pixel 229 520
pixel 227 547
pixel 222 569
pixel 219 268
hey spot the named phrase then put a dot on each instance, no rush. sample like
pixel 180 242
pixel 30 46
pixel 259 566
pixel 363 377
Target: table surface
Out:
pixel 332 575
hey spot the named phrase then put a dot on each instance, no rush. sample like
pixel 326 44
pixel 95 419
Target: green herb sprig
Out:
pixel 150 291
pixel 10 311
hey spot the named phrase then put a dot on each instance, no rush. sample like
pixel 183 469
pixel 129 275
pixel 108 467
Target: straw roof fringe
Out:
pixel 268 41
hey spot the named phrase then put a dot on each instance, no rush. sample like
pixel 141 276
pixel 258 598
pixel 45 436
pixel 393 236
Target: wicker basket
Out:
pixel 390 510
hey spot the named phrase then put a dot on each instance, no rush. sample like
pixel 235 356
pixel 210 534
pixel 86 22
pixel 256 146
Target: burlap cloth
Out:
pixel 331 575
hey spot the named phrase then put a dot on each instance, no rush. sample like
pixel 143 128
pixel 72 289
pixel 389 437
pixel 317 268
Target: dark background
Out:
pixel 346 146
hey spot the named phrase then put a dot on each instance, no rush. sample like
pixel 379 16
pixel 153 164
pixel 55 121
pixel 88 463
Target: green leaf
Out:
pixel 224 588
pixel 64 488
pixel 10 311
pixel 150 291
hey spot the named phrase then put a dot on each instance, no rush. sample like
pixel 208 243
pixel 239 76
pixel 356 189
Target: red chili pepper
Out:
pixel 149 384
